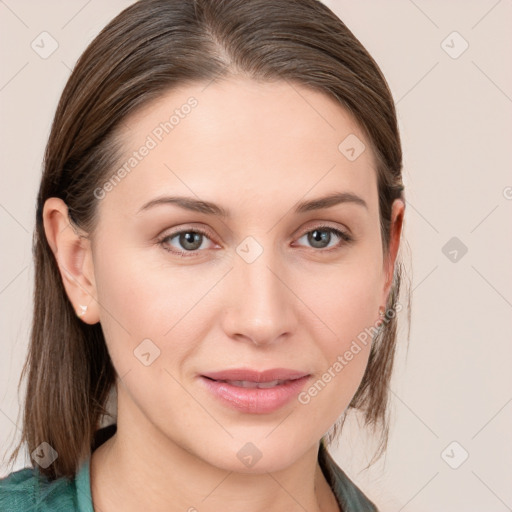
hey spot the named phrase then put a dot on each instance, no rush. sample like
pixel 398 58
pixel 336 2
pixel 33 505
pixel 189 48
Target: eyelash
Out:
pixel 345 237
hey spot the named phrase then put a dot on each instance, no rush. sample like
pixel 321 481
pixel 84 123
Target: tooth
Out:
pixel 243 383
pixel 251 384
pixel 270 384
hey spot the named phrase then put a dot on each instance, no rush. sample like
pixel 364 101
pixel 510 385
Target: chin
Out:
pixel 258 454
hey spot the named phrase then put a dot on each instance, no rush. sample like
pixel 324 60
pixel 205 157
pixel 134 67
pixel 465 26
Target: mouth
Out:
pixel 255 392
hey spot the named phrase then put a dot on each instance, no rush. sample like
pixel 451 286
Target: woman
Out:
pixel 218 225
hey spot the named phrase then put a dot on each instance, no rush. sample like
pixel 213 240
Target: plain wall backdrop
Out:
pixel 448 66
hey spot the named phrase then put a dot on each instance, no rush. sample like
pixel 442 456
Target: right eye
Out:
pixel 189 240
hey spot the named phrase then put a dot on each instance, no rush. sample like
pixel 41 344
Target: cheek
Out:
pixel 141 300
pixel 347 298
pixel 347 304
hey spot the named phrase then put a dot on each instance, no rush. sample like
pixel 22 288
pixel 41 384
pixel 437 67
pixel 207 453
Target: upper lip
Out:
pixel 256 376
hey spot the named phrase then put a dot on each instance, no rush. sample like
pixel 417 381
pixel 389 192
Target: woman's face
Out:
pixel 267 286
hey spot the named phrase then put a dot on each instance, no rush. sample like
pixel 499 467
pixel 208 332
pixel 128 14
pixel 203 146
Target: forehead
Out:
pixel 242 140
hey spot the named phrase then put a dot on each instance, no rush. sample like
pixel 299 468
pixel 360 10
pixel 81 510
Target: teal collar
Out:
pixel 83 488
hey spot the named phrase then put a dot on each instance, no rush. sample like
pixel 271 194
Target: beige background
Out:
pixel 455 383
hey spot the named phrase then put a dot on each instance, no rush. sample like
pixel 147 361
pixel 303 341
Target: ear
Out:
pixel 397 217
pixel 72 251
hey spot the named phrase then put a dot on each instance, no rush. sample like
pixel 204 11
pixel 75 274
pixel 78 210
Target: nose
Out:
pixel 261 306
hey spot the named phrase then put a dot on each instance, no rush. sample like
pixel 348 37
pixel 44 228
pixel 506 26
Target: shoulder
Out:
pixel 28 490
pixel 349 496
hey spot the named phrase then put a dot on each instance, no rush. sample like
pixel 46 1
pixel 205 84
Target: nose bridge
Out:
pixel 261 281
pixel 261 307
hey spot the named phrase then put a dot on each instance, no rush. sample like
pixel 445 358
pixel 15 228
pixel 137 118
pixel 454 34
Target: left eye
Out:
pixel 322 234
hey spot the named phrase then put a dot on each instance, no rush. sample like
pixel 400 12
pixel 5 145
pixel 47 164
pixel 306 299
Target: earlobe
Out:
pixel 72 251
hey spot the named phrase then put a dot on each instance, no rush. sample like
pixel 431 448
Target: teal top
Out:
pixel 27 490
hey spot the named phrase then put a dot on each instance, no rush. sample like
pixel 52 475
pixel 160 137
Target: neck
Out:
pixel 143 470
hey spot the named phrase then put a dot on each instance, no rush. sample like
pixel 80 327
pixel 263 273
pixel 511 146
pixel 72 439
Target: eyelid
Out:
pixel 186 228
pixel 326 226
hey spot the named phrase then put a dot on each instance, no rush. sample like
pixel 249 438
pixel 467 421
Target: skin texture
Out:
pixel 256 149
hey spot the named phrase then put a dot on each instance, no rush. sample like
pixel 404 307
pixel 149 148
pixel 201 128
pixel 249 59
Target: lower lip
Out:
pixel 255 400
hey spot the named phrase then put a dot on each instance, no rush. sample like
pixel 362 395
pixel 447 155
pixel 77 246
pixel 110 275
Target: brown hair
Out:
pixel 149 48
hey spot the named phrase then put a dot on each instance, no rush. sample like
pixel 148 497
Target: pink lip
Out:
pixel 255 400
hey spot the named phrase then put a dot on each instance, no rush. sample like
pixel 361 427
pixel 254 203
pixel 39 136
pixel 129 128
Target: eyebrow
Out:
pixel 209 208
